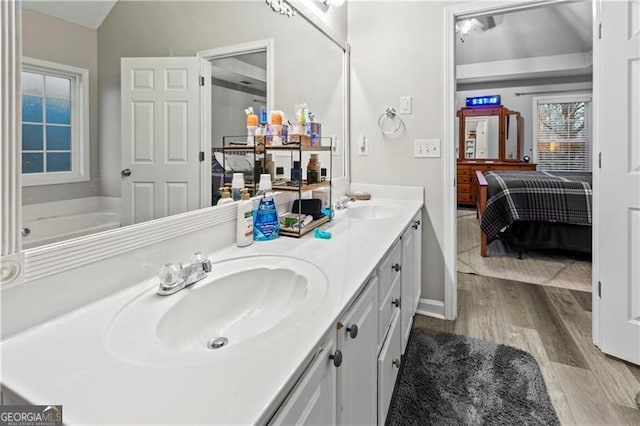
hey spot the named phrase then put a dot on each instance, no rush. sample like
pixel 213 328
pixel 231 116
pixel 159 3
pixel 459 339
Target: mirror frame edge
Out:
pixel 14 261
pixel 11 254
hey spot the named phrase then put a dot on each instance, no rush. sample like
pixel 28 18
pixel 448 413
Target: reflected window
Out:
pixel 54 123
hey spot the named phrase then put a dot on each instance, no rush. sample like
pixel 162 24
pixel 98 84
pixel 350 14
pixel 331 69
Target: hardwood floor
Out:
pixel 554 325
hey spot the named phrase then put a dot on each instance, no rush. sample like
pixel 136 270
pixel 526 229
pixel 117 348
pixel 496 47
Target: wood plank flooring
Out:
pixel 554 325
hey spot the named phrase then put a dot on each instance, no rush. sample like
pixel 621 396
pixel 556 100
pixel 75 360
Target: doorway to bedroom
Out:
pixel 523 102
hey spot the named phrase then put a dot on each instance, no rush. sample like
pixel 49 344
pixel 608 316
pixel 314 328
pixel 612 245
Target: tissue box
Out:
pixel 314 131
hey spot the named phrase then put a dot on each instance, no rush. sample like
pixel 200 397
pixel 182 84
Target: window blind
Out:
pixel 563 136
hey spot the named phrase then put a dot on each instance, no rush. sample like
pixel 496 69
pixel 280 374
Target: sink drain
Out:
pixel 217 343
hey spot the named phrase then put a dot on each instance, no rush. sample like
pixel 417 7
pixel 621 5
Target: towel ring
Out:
pixel 389 114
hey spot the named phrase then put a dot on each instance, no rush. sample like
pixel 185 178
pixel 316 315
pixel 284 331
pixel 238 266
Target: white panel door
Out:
pixel 162 135
pixel 619 194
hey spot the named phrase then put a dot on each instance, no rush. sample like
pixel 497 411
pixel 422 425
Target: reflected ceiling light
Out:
pixel 281 7
pixel 464 27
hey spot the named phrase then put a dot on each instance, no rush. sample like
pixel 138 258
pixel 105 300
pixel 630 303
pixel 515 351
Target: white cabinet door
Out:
pixel 162 135
pixel 357 374
pixel 314 399
pixel 407 285
pixel 417 262
pixel 388 367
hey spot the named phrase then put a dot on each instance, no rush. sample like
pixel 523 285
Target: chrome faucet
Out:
pixel 175 277
pixel 343 202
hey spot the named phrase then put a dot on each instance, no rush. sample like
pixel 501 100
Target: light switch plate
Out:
pixel 363 145
pixel 405 105
pixel 335 145
pixel 426 148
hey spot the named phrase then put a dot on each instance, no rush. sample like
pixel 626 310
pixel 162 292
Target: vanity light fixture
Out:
pixel 464 27
pixel 281 7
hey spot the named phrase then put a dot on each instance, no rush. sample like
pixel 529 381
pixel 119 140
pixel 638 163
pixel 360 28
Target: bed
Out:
pixel 535 210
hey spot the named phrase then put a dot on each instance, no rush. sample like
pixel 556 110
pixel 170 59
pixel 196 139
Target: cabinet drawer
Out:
pixel 464 197
pixel 464 179
pixel 464 188
pixel 463 170
pixel 387 309
pixel 388 368
pixel 387 271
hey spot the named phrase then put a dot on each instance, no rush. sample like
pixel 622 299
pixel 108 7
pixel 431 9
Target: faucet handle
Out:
pixel 169 273
pixel 201 260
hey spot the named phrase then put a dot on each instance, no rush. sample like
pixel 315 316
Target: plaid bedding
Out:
pixel 560 197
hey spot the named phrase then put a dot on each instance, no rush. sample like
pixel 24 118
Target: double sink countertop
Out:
pixel 69 360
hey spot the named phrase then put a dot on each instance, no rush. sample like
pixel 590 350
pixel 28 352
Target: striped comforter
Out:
pixel 559 197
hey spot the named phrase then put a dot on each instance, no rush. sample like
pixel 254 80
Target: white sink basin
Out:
pixel 242 300
pixel 371 211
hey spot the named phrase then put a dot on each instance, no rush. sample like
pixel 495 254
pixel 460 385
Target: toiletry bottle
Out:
pixel 252 125
pixel 226 197
pixel 237 185
pixel 266 223
pixel 296 173
pixel 244 223
pixel 313 170
pixel 276 127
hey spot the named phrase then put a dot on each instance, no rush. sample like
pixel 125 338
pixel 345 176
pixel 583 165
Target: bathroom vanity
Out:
pixel 315 331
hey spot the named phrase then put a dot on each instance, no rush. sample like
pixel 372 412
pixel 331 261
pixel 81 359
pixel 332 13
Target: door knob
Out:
pixel 125 173
pixel 396 267
pixel 396 362
pixel 396 303
pixel 336 357
pixel 353 331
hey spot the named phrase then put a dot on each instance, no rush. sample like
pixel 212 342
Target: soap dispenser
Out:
pixel 244 229
pixel 226 197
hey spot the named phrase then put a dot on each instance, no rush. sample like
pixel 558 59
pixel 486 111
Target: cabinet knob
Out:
pixel 396 267
pixel 396 303
pixel 336 357
pixel 353 331
pixel 396 363
pixel 125 173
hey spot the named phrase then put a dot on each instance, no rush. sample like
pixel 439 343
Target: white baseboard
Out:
pixel 431 308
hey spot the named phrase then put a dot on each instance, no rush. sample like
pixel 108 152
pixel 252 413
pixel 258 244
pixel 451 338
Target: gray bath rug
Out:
pixel 448 379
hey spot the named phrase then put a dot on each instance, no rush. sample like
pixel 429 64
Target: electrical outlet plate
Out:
pixel 426 148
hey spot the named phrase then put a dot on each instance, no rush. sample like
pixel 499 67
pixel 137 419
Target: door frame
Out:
pixel 209 55
pixel 449 152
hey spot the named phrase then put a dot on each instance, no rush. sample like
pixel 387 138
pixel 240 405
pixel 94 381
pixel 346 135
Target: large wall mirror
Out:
pixel 75 155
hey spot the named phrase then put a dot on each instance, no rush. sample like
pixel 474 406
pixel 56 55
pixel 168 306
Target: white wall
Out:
pixel 524 103
pixel 227 112
pixel 52 39
pixel 397 50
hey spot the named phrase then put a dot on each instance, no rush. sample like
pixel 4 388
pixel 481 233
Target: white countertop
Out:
pixel 65 361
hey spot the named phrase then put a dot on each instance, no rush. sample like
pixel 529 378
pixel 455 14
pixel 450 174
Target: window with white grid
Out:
pixel 55 123
pixel 563 134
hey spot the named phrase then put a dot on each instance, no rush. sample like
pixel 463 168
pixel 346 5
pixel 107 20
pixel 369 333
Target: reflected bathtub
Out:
pixel 47 230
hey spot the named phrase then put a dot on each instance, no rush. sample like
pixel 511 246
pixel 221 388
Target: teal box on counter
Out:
pixel 314 131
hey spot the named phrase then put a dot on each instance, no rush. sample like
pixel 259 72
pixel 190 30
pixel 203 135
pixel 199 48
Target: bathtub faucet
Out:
pixel 175 277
